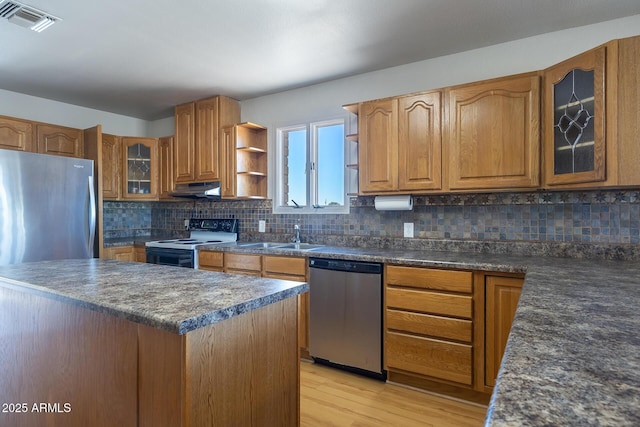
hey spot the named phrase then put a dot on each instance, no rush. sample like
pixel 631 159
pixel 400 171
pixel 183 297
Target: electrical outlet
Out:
pixel 262 225
pixel 408 229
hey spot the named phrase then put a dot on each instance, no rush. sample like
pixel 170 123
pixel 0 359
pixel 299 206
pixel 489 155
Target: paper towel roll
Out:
pixel 394 203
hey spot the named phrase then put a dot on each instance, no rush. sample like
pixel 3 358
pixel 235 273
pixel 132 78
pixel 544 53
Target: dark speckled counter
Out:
pixel 573 355
pixel 178 300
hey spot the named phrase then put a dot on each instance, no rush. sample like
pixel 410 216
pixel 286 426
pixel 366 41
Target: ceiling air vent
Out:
pixel 26 16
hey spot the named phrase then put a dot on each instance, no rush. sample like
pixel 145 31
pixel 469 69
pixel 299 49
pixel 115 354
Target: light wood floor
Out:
pixel 330 397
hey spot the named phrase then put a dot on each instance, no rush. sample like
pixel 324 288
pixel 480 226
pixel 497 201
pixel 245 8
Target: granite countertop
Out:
pixel 573 355
pixel 426 258
pixel 178 300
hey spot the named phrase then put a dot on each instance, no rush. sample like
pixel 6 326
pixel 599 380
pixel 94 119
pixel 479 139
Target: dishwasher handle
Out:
pixel 343 265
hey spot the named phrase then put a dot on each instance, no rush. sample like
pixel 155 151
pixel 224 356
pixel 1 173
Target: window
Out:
pixel 310 165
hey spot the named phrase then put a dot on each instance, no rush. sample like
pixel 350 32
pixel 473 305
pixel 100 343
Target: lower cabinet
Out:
pixel 140 253
pixel 296 269
pixel 250 265
pixel 446 330
pixel 272 266
pixel 429 320
pixel 501 299
pixel 133 253
pixel 212 261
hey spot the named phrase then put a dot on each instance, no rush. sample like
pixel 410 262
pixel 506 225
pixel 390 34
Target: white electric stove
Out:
pixel 184 252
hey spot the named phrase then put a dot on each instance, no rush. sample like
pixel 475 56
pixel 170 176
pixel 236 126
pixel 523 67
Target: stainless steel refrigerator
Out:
pixel 47 207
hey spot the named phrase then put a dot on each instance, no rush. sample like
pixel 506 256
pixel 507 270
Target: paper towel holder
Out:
pixel 403 202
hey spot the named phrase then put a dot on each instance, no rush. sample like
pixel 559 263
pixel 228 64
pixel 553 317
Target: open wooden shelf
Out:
pixel 251 161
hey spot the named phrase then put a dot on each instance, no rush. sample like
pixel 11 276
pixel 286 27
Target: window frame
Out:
pixel 311 169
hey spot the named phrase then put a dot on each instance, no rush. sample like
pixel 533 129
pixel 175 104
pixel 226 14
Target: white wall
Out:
pixel 45 110
pixel 161 127
pixel 530 54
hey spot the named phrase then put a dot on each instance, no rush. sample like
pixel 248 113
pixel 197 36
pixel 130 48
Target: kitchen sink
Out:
pixel 279 245
pixel 299 246
pixel 264 245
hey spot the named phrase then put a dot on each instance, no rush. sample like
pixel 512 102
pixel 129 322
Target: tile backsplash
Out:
pixel 127 219
pixel 571 217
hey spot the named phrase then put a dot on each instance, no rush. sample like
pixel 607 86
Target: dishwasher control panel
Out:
pixel 343 265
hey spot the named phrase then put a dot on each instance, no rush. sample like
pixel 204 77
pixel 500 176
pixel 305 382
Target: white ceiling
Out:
pixel 141 57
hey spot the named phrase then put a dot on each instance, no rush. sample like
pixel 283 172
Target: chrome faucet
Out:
pixel 296 237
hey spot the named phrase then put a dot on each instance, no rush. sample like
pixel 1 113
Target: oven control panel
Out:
pixel 225 225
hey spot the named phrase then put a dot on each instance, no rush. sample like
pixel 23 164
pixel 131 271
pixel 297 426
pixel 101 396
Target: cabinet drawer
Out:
pixel 211 259
pixel 242 262
pixel 430 278
pixel 435 326
pixel 429 302
pixel 435 358
pixel 283 276
pixel 243 272
pixel 291 266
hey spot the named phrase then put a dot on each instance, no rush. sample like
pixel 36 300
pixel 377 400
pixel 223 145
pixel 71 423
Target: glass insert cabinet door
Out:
pixel 575 120
pixel 140 168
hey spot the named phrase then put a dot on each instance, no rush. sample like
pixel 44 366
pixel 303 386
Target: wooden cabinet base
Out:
pixel 438 387
pixel 438 358
pixel 110 371
pixel 245 370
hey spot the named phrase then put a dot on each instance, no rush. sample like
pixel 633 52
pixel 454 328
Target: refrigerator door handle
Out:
pixel 92 216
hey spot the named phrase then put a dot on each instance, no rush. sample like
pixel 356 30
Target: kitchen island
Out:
pixel 103 343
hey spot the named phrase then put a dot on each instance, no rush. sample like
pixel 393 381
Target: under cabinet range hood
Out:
pixel 197 190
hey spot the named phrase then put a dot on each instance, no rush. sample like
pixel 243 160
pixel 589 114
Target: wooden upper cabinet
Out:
pixel 165 159
pixel 111 166
pixel 378 150
pixel 419 142
pixel 140 168
pixel 198 127
pixel 575 116
pixel 60 140
pixel 207 145
pixel 592 119
pixel 184 144
pixel 493 134
pixel 16 134
pixel 623 140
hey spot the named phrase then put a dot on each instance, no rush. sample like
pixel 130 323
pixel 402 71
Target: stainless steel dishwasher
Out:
pixel 345 314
